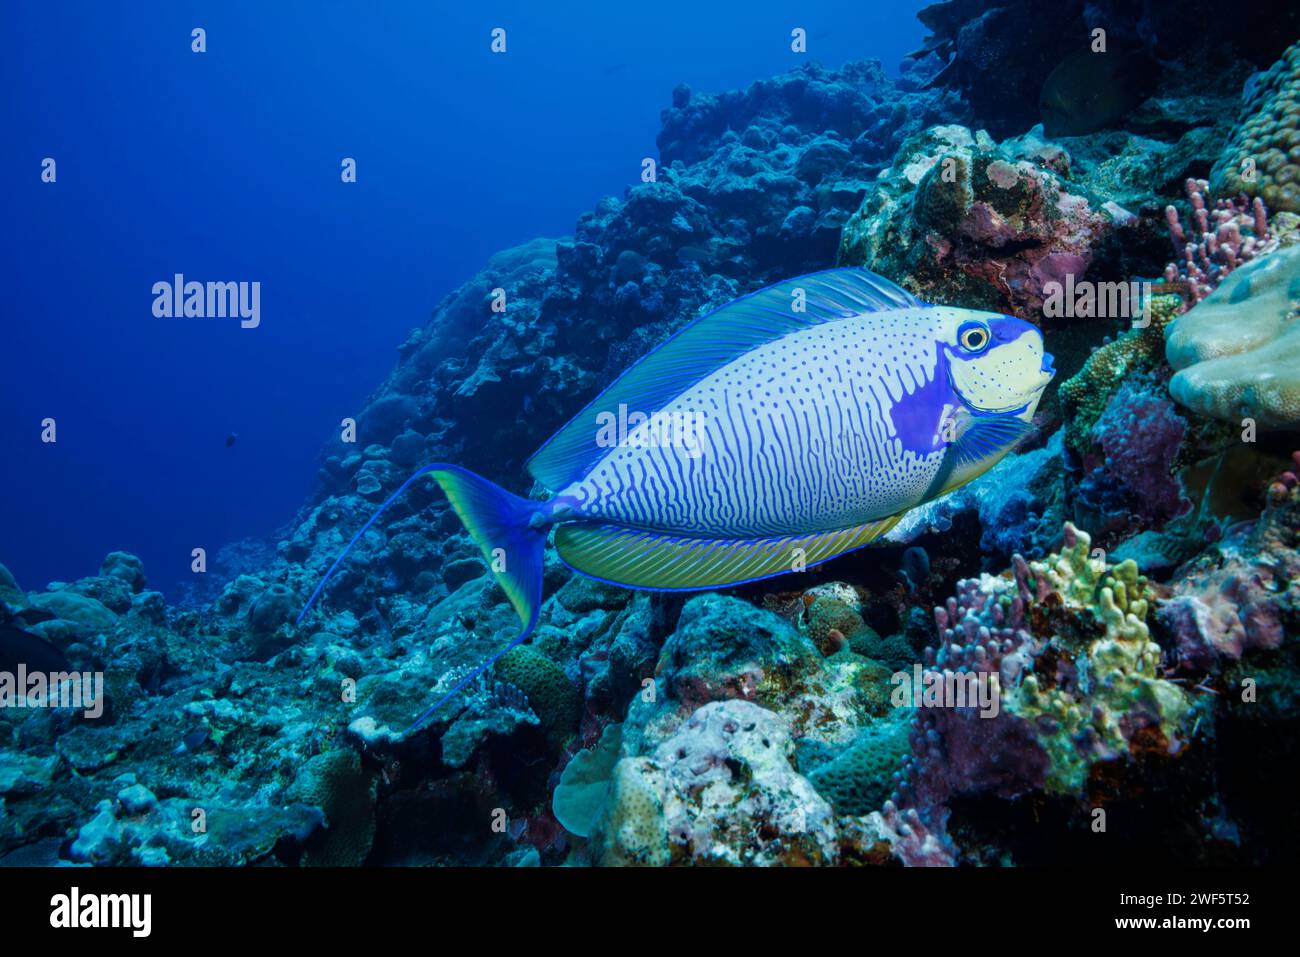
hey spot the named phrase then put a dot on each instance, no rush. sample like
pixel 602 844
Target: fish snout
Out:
pixel 1048 367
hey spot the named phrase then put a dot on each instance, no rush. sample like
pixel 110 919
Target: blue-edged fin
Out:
pixel 708 344
pixel 637 558
pixel 501 526
pixel 511 545
pixel 984 437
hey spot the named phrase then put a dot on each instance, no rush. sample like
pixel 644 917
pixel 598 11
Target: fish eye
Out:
pixel 973 336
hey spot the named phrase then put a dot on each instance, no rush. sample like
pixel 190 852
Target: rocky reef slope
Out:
pixel 1129 577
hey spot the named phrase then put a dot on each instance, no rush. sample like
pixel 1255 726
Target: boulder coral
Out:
pixel 1238 351
pixel 336 783
pixel 1263 157
pixel 550 694
pixel 860 779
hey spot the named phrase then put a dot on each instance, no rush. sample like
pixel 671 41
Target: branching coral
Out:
pixel 1226 234
pixel 1066 644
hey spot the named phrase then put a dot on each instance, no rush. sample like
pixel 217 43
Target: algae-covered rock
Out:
pixel 727 648
pixel 10 593
pixel 722 790
pixel 81 616
pixel 124 566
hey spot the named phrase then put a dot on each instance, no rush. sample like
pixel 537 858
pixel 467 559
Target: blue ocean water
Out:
pixel 225 166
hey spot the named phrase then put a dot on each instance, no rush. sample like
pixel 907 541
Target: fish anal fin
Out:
pixel 638 558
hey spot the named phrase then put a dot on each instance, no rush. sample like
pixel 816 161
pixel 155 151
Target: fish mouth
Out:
pixel 1048 368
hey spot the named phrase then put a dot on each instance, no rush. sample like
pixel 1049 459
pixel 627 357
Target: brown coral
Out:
pixel 1263 157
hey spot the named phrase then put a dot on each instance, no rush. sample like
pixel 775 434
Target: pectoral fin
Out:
pixel 983 437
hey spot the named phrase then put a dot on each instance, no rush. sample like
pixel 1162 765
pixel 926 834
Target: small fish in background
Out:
pixel 193 741
pixel 18 647
pixel 1090 91
pixel 915 567
pixel 821 410
pixel 231 439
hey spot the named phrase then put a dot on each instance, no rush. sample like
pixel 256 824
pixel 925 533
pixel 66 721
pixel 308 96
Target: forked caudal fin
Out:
pixel 500 525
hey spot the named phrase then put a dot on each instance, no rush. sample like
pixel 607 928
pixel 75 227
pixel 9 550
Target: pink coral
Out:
pixel 1240 599
pixel 913 841
pixel 1231 232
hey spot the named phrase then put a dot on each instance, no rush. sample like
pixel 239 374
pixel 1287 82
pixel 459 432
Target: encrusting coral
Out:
pixel 859 779
pixel 1085 395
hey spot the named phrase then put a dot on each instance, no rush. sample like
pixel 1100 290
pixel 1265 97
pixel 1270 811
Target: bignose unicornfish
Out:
pixel 785 428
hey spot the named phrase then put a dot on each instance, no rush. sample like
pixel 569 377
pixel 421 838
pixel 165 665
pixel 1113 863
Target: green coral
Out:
pixel 859 780
pixel 830 609
pixel 1263 157
pixel 336 783
pixel 1117 661
pixel 1085 396
pixel 584 784
pixel 551 695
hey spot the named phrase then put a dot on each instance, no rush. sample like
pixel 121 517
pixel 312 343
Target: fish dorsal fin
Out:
pixel 705 346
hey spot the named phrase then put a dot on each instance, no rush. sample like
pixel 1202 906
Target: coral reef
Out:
pixel 1261 159
pixel 580 796
pixel 1068 649
pixel 721 790
pixel 960 218
pixel 760 726
pixel 1237 353
pixel 859 779
pixel 1244 596
pixel 336 783
pixel 1228 234
pixel 549 693
pixel 1086 395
